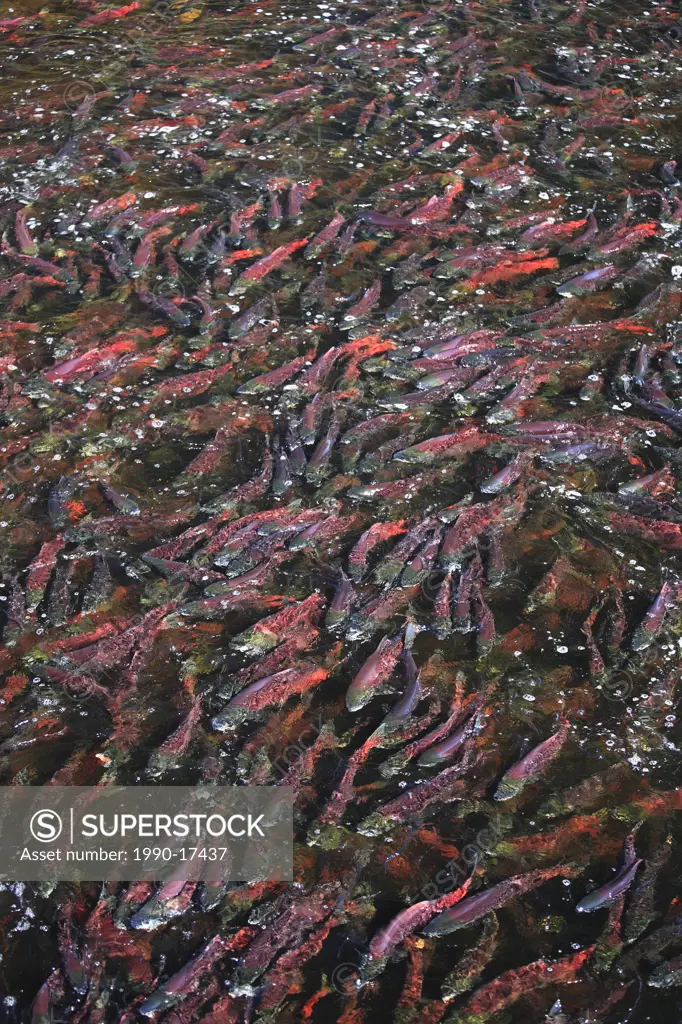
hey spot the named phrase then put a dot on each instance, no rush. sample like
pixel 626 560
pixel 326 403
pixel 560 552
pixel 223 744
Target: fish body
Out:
pixel 532 765
pixel 667 975
pixel 372 677
pixel 472 908
pixel 269 690
pixel 377 534
pixel 456 445
pixel 448 747
pixel 646 632
pixel 606 894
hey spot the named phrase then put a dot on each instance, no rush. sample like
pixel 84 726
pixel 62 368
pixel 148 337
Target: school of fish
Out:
pixel 340 449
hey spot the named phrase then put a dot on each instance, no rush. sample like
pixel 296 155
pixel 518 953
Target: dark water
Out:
pixel 474 161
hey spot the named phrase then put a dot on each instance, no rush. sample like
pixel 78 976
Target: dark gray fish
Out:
pixel 342 603
pixel 409 303
pixel 101 585
pixel 262 311
pixel 413 692
pixel 158 304
pixel 63 491
pixel 122 502
pixel 606 894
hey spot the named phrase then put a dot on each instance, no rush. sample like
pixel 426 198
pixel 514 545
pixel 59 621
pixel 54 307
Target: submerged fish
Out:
pixel 371 679
pixel 357 325
pixel 533 764
pixel 474 907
